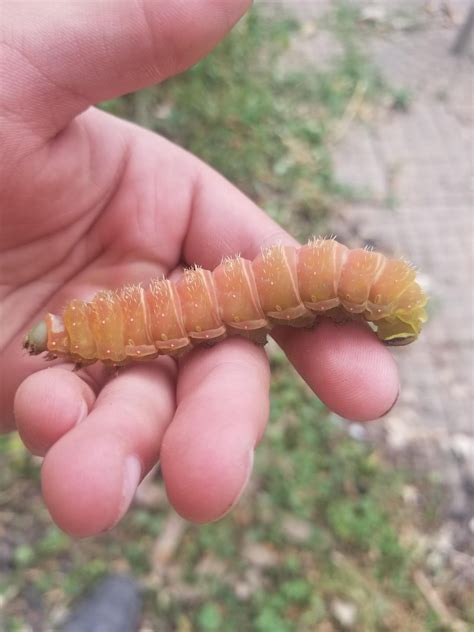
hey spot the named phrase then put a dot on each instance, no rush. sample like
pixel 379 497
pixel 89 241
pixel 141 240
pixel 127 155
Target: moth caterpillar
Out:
pixel 282 285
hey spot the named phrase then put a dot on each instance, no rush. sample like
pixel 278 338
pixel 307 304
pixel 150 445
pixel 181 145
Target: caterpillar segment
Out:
pixel 283 285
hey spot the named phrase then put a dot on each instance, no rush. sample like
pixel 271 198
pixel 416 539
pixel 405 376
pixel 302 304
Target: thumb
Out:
pixel 61 57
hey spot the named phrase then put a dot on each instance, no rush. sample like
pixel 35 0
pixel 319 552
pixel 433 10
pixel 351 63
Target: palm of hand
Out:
pixel 121 215
pixel 99 203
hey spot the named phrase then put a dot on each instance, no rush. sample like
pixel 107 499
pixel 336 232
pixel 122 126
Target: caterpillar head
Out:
pixel 36 340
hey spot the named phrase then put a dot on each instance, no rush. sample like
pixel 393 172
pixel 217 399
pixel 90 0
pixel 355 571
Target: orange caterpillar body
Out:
pixel 282 285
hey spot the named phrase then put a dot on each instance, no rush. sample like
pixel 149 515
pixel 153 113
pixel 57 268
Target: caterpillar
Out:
pixel 283 285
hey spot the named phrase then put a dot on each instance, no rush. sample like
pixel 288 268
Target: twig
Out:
pixel 350 112
pixel 436 603
pixel 168 541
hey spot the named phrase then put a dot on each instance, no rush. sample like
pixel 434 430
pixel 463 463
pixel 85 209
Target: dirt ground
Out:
pixel 416 164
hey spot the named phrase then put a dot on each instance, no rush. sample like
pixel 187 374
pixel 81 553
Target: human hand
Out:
pixel 91 202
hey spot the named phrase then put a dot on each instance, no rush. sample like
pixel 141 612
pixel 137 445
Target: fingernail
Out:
pixel 393 405
pixel 244 485
pixel 132 472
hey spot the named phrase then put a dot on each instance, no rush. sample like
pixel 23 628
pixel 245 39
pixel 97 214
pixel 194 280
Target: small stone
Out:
pixel 410 495
pixel 344 612
pixel 357 431
pixel 375 14
pixel 462 446
pixel 260 555
pixel 243 591
pixel 297 531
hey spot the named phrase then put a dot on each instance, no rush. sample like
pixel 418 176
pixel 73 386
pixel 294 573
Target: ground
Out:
pixel 413 164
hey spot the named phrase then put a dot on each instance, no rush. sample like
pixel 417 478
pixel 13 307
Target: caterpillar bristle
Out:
pixel 408 263
pixel 269 252
pixel 193 278
pixel 229 263
pixel 129 292
pixel 159 287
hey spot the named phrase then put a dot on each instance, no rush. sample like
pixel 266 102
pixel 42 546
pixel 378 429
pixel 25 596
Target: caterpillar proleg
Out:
pixel 282 285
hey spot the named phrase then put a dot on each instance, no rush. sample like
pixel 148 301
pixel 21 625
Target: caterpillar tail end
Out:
pixel 36 340
pixel 402 330
pixel 399 341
